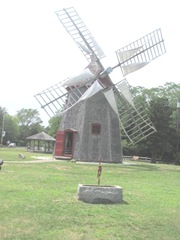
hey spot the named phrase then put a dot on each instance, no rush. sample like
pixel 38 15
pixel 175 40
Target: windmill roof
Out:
pixel 41 136
pixel 85 77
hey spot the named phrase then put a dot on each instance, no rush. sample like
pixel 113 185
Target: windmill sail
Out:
pixel 57 98
pixel 126 54
pixel 91 91
pixel 85 77
pixel 111 100
pixel 139 53
pixel 123 87
pixel 66 93
pixel 134 120
pixel 52 99
pixel 126 69
pixel 80 33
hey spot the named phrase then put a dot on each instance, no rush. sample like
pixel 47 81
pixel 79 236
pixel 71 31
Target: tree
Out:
pixel 169 91
pixel 161 144
pixel 28 117
pixel 54 124
pixel 11 129
pixel 29 123
pixel 160 105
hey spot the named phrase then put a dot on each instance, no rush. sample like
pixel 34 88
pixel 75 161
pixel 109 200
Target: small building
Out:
pixel 40 142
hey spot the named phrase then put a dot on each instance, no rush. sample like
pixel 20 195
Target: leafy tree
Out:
pixel 54 124
pixel 28 117
pixel 29 123
pixel 11 128
pixel 169 91
pixel 161 144
pixel 160 105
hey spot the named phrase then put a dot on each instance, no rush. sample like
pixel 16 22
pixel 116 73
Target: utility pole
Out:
pixel 2 131
pixel 178 131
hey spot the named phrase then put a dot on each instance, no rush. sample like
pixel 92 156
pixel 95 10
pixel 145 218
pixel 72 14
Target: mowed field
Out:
pixel 38 200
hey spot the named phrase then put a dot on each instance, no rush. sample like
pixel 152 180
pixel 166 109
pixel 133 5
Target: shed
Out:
pixel 40 142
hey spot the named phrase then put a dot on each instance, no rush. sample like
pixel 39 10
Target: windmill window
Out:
pixel 96 128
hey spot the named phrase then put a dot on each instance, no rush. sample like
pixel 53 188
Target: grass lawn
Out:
pixel 38 201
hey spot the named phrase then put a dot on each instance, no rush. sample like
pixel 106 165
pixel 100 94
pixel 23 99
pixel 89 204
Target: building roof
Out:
pixel 41 136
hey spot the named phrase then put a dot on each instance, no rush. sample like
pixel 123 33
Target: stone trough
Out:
pixel 100 194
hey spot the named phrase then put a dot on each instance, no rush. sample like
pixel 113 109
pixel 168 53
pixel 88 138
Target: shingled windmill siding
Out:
pixel 90 146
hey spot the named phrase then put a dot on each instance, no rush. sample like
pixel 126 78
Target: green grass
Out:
pixel 12 154
pixel 38 201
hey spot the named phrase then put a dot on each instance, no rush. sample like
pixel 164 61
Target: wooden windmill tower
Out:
pixel 93 108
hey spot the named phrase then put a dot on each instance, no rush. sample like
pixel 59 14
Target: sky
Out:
pixel 36 52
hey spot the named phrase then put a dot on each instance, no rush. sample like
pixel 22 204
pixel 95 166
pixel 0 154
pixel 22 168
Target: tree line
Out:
pixel 25 123
pixel 161 107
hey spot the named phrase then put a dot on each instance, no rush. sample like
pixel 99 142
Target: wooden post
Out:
pixel 99 171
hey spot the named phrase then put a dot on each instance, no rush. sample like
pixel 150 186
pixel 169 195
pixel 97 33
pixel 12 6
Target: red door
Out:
pixel 60 139
pixel 65 143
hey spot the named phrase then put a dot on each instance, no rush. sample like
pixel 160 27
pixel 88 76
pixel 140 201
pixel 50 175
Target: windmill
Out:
pixel 92 107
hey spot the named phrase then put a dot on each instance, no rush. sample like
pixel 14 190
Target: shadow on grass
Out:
pixel 125 203
pixel 153 167
pixel 144 167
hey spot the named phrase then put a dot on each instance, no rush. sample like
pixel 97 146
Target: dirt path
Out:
pixel 34 161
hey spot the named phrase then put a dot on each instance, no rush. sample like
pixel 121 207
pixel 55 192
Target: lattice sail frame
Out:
pixel 57 98
pixel 141 52
pixel 80 33
pixel 52 99
pixel 133 118
pixel 66 93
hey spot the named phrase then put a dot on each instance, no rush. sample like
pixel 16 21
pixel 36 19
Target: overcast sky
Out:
pixel 36 52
